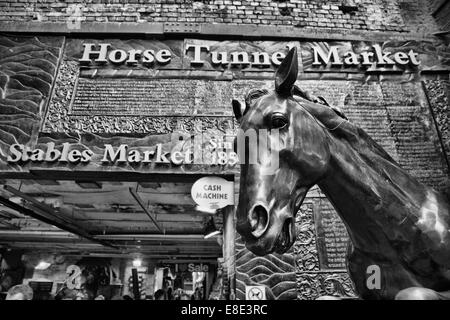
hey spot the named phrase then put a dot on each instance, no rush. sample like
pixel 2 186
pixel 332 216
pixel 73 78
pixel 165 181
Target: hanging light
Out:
pixel 205 210
pixel 42 265
pixel 137 263
pixel 210 229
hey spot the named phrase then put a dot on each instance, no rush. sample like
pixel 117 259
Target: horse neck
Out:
pixel 371 193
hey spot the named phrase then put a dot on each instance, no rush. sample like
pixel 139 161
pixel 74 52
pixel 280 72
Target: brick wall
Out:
pixel 372 15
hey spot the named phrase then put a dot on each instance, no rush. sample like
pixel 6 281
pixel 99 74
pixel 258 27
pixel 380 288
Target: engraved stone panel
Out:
pixel 315 285
pixel 155 106
pixel 314 277
pixel 161 97
pixel 332 237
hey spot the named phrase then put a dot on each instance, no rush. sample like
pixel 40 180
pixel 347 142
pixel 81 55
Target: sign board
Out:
pixel 201 53
pixel 213 193
pixel 73 280
pixel 195 267
pixel 255 293
pixel 41 286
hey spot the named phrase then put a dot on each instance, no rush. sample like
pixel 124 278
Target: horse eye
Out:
pixel 279 121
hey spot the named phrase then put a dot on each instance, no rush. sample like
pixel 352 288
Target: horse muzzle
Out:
pixel 264 234
pixel 286 237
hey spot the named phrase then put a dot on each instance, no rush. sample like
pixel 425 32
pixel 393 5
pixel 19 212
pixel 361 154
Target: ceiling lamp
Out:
pixel 42 265
pixel 137 263
pixel 206 210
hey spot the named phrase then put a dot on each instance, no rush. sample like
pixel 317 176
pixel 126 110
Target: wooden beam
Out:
pixel 137 216
pixel 42 207
pixel 9 225
pixel 51 174
pixel 122 196
pixel 197 257
pixel 6 215
pixel 142 248
pixel 77 246
pixel 141 203
pixel 25 234
pixel 50 220
pixel 131 237
pixel 33 245
pixel 132 227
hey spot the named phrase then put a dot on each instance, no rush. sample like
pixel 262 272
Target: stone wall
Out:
pixel 438 92
pixel 416 15
pixel 440 9
pixel 380 15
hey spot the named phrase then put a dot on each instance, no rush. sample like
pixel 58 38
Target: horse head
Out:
pixel 268 202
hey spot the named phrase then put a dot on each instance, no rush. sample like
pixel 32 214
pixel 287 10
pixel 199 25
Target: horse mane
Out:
pixel 339 126
pixel 334 120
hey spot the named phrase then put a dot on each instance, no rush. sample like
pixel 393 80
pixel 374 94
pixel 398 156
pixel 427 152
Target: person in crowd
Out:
pixel 6 283
pixel 177 294
pixel 185 296
pixel 66 294
pixel 43 296
pixel 20 292
pixel 159 295
pixel 169 294
pixel 198 294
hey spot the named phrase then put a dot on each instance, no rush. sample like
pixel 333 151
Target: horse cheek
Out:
pixel 313 155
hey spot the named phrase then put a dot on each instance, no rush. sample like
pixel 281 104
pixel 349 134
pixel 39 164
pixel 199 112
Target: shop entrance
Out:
pixel 126 239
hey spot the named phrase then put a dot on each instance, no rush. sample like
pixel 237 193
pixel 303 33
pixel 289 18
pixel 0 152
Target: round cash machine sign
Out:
pixel 213 193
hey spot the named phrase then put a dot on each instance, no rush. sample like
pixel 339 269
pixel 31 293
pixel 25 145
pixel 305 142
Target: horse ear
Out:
pixel 237 109
pixel 287 73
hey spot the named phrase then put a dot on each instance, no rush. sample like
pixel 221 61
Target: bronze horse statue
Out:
pixel 394 221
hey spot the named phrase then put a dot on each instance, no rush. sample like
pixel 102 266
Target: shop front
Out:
pixel 105 140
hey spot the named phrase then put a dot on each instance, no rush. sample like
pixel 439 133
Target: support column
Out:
pixel 229 238
pixel 135 279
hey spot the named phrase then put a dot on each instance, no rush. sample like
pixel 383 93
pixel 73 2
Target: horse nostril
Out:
pixel 259 220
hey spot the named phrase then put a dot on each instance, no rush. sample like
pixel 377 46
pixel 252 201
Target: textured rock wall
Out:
pixel 441 12
pixel 438 92
pixel 276 272
pixel 27 68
